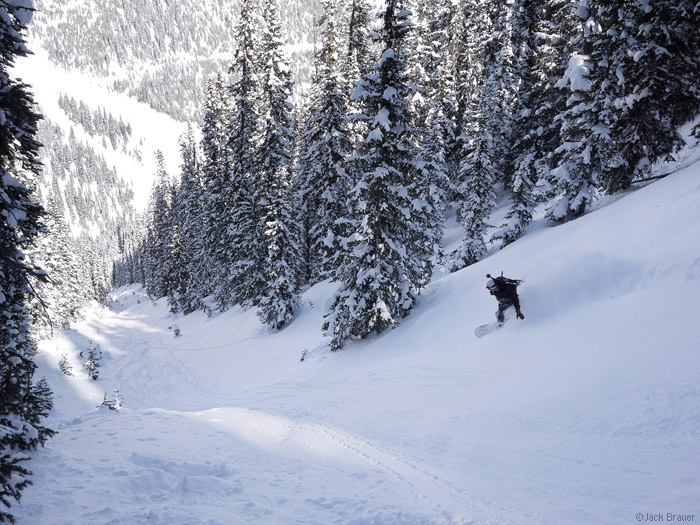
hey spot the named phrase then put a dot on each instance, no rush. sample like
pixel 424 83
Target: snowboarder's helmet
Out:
pixel 490 284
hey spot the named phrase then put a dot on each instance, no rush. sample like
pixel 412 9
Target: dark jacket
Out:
pixel 505 292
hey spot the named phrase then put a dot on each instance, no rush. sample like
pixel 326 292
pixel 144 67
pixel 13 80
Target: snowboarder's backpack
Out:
pixel 507 282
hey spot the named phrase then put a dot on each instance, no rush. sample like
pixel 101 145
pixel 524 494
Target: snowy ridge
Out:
pixel 585 412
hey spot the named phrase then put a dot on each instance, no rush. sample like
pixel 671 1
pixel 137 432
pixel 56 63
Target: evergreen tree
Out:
pixel 360 60
pixel 159 235
pixel 279 296
pixel 211 266
pixel 469 23
pixel 323 176
pixel 62 296
pixel 477 170
pixel 299 188
pixel 451 56
pixel 535 137
pixel 116 404
pixel 174 268
pixel 186 233
pixel 359 37
pixel 505 75
pixel 186 293
pixel 575 176
pixel 22 404
pixel 244 250
pixel 428 68
pixel 65 366
pixel 432 184
pixel 477 190
pixel 430 122
pixel 92 365
pixel 94 272
pixel 527 171
pixel 647 55
pixel 386 266
pixel 39 403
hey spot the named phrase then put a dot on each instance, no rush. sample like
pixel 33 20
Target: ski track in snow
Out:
pixel 140 466
pixel 283 452
pixel 323 443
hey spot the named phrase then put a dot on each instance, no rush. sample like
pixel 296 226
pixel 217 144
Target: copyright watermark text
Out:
pixel 664 517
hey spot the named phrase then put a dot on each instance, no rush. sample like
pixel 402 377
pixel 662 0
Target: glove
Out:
pixel 519 314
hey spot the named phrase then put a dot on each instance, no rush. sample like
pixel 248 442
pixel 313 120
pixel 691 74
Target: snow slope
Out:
pixel 585 412
pixel 151 130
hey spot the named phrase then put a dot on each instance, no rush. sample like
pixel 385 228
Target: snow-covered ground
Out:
pixel 588 411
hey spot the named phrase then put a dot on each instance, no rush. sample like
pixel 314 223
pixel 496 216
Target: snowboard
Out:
pixel 484 329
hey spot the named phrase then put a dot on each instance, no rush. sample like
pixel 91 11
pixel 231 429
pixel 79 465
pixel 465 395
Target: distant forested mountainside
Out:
pixel 162 52
pixel 91 214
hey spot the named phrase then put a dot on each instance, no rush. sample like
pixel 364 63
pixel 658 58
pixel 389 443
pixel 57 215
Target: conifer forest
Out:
pixel 414 112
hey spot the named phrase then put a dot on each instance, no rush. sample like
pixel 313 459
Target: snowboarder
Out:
pixel 506 291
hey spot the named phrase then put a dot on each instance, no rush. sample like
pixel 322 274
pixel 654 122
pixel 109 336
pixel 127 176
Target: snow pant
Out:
pixel 502 307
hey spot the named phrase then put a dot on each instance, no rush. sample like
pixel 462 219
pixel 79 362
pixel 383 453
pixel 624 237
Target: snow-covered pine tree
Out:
pixel 528 169
pixel 468 23
pixel 359 39
pixel 39 403
pixel 65 366
pixel 92 364
pixel 684 43
pixel 186 244
pixel 360 60
pixel 505 66
pixel 118 400
pixel 421 66
pixel 211 269
pixel 322 175
pixel 577 162
pixel 175 266
pixel 157 250
pixel 106 402
pixel 116 404
pixel 448 45
pixel 22 404
pixel 192 233
pixel 298 188
pixel 386 268
pixel 477 172
pixel 649 78
pixel 63 295
pixel 536 136
pixel 279 296
pixel 432 183
pixel 430 122
pixel 128 268
pixel 94 268
pixel 244 250
pixel 613 33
